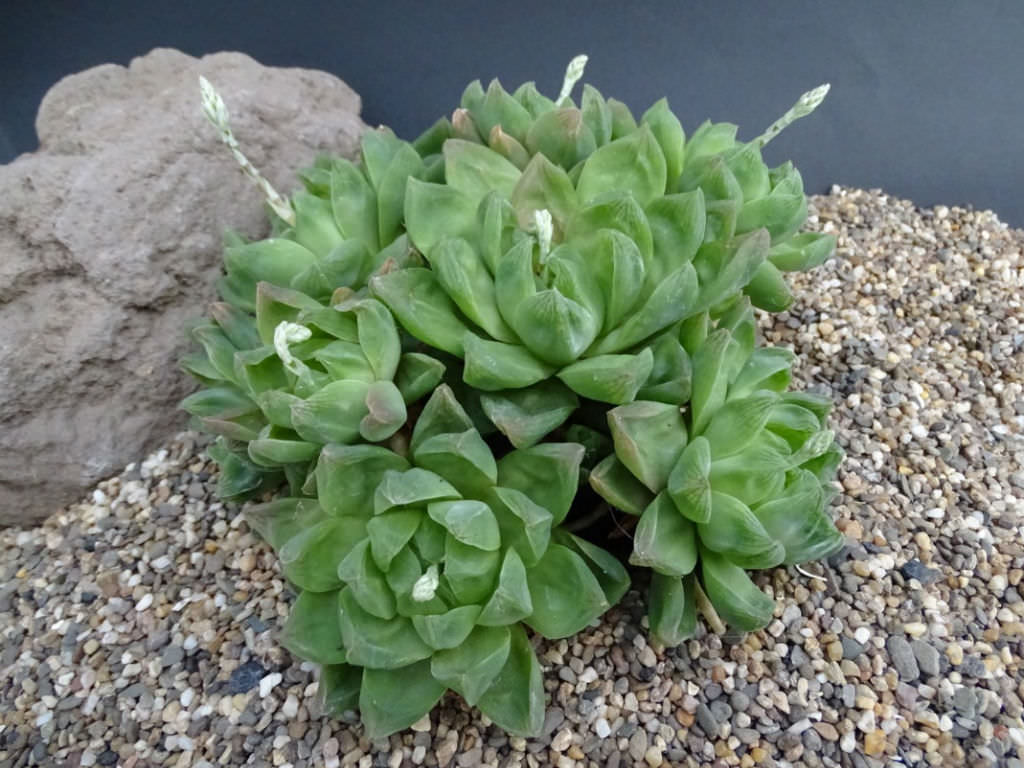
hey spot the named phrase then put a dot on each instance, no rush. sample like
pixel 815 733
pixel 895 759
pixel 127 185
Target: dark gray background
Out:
pixel 926 99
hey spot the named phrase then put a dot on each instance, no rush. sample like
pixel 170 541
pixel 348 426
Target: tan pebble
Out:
pixel 955 654
pixel 575 752
pixel 718 673
pixel 827 731
pixel 835 651
pixel 874 743
pixel 861 568
pixel 685 718
pixel 1013 628
pixel 758 754
pixel 747 761
pixel 90 647
pixel 246 562
pixel 1014 576
pixel 652 757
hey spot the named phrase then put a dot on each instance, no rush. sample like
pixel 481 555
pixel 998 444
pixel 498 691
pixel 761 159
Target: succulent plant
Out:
pixel 417 572
pixel 738 480
pixel 440 341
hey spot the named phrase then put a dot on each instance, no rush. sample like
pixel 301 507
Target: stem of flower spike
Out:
pixel 573 73
pixel 708 611
pixel 216 112
pixel 806 104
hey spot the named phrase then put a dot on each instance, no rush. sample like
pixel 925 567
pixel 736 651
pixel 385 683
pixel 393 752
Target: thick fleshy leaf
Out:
pixel 429 541
pixel 677 225
pixel 610 573
pixel 464 127
pixel 279 520
pixel 492 366
pixel 619 268
pixel 442 414
pixel 734 531
pixel 431 140
pixel 671 373
pixel 799 522
pixel 673 299
pixel 354 204
pixel 314 223
pixel 506 145
pixel 527 415
pixel 710 380
pixel 755 474
pixel 802 252
pixel 310 559
pixel 768 289
pixel 524 525
pixel 544 186
pixel 725 267
pixel 420 304
pixel 393 699
pixel 510 602
pixel 561 135
pixel 312 631
pixel 378 337
pixel 689 484
pixel 332 415
pixel 274 260
pixel 547 473
pixel 533 100
pixel 258 370
pixel 405 164
pixel 566 595
pixel 338 689
pixel 417 375
pixel 497 227
pixel 220 352
pixel 780 213
pixel 448 629
pixel 238 326
pixel 611 379
pixel 402 576
pixel 240 478
pixel 273 452
pixel 375 642
pixel 436 211
pixel 475 170
pixel 664 540
pixel 554 327
pixel 618 211
pixel 669 134
pixel 619 487
pixel 750 171
pixel 470 669
pixel 276 304
pixel 470 572
pixel 738 422
pixel 347 264
pixel 469 521
pixel 515 700
pixel 360 574
pixel 672 608
pixel 792 422
pixel 464 459
pixel 347 477
pixel 623 122
pixel 223 402
pixel 496 107
pixel 596 114
pixel 649 437
pixel 385 412
pixel 732 593
pixel 466 279
pixel 389 533
pixel 767 368
pixel 345 360
pixel 413 488
pixel 634 163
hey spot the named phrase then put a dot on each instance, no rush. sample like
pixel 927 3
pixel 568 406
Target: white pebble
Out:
pixel 862 635
pixel 601 728
pixel 290 707
pixel 161 563
pixel 186 698
pixel 144 603
pixel 268 683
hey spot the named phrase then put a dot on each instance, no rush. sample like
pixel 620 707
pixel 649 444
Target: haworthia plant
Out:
pixel 443 339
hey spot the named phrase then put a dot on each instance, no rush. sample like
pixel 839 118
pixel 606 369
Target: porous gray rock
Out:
pixel 110 245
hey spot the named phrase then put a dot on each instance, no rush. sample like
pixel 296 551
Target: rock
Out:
pixel 111 240
pixel 915 569
pixel 902 656
pixel 927 657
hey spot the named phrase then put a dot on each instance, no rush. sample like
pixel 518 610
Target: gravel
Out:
pixel 137 628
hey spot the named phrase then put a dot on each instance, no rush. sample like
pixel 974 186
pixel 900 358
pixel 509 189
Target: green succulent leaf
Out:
pixel 619 269
pixel 508 147
pixel 648 437
pixel 614 379
pixel 664 540
pixel 385 412
pixel 750 171
pixel 710 379
pixel 338 689
pixel 677 227
pixel 767 368
pixel 354 205
pixel 436 211
pixel 466 279
pixel 671 373
pixel 797 519
pixel 310 558
pixel 562 135
pixel 525 525
pixel 635 163
pixel 623 122
pixel 566 595
pixel 547 473
pixel 446 630
pixel 618 211
pixel 417 375
pixel 411 488
pixel 470 522
pixel 734 531
pixel 311 632
pixel 669 134
pixel 347 477
pixel 272 452
pixel 441 415
pixel 689 484
pixel 471 573
pixel 672 608
pixel 431 140
pixel 792 422
pixel 464 459
pixel 393 699
pixel 802 252
pixel 492 366
pixel 609 572
pixel 732 593
pixel 239 326
pixel 768 289
pixel 596 114
pixel 510 602
pixel 470 669
pixel 390 532
pixel 515 700
pixel 619 487
pixel 474 170
pixel 527 415
pixel 378 643
pixel 224 402
pixel 275 260
pixel 544 186
pixel 366 581
pixel 279 520
pixel 738 422
pixel 333 414
pixel 422 307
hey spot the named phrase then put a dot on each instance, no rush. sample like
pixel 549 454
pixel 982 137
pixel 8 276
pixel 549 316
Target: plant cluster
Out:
pixel 462 354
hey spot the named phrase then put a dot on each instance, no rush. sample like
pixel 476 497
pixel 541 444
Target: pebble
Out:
pixel 139 623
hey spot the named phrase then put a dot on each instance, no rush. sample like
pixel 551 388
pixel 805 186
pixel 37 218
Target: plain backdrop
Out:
pixel 926 99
